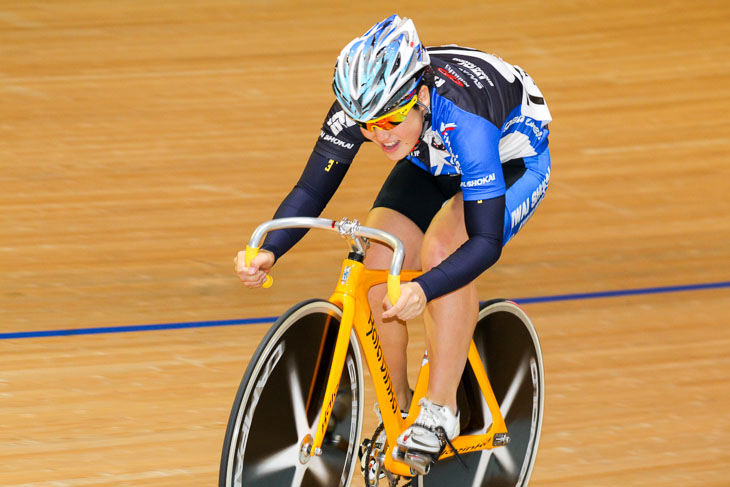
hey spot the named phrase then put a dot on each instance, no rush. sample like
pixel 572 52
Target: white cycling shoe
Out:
pixel 433 427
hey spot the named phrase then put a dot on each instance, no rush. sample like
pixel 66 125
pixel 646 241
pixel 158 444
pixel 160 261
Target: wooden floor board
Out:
pixel 141 143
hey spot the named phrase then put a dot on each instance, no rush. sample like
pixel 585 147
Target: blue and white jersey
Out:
pixel 488 127
pixel 484 112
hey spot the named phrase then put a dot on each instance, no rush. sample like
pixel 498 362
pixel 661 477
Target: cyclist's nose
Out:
pixel 381 135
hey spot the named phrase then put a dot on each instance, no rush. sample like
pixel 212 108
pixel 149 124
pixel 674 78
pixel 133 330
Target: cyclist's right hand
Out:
pixel 255 274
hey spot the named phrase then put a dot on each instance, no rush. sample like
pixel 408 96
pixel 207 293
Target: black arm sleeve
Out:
pixel 484 225
pixel 316 186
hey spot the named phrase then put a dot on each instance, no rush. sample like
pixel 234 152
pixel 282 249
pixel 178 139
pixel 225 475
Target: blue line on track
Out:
pixel 624 292
pixel 271 319
pixel 125 329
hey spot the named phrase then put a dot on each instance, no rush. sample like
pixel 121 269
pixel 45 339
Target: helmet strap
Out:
pixel 426 119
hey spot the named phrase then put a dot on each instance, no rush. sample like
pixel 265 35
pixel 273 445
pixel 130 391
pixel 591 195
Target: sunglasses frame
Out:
pixel 384 123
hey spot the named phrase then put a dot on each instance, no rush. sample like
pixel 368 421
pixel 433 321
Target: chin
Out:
pixel 397 155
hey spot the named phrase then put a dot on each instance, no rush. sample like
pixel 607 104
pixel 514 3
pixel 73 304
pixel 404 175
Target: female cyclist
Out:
pixel 468 135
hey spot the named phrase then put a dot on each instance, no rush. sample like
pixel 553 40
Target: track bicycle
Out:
pixel 297 416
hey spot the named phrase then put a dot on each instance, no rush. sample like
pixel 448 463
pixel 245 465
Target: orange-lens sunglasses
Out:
pixel 390 120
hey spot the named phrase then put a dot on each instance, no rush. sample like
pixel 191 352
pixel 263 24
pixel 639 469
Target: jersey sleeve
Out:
pixel 316 186
pixel 484 226
pixel 340 137
pixel 339 140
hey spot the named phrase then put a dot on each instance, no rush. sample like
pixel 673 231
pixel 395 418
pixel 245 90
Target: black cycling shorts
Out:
pixel 419 195
pixel 416 193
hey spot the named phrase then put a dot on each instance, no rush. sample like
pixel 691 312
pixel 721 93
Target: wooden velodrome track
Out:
pixel 141 143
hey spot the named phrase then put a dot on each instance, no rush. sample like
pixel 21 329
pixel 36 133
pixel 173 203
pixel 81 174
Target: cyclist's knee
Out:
pixel 433 252
pixel 446 233
pixel 375 298
pixel 378 256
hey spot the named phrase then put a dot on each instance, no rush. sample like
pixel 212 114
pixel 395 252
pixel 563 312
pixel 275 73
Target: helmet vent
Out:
pixel 377 69
pixel 396 65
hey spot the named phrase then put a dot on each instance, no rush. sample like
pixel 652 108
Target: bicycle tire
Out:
pixel 279 400
pixel 510 350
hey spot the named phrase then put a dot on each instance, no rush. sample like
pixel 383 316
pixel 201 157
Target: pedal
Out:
pixel 420 462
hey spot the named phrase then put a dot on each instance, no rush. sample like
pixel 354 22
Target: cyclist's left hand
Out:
pixel 411 303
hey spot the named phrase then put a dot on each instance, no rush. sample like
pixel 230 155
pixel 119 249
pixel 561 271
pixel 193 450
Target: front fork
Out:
pixel 344 296
pixel 333 381
pixel 348 291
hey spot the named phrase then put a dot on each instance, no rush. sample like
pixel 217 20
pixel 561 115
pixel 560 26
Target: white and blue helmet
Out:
pixel 375 71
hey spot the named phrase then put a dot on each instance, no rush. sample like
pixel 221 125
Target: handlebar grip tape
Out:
pixel 252 252
pixel 393 288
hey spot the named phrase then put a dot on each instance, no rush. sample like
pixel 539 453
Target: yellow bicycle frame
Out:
pixel 351 296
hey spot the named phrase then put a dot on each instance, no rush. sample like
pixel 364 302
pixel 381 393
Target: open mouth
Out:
pixel 390 147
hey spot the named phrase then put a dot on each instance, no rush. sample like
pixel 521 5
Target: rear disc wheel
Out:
pixel 510 351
